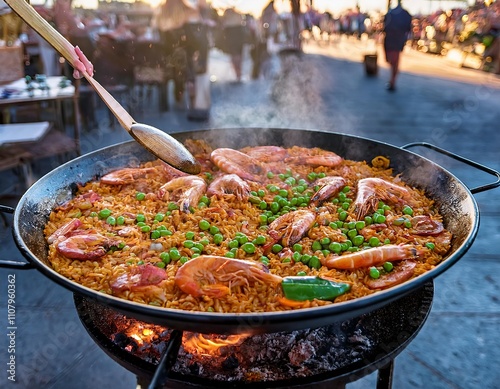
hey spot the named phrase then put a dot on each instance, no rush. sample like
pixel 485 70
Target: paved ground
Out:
pixel 457 109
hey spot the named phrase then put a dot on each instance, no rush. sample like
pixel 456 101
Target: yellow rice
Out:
pixel 230 216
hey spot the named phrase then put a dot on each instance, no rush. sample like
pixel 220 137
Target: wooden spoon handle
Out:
pixel 67 50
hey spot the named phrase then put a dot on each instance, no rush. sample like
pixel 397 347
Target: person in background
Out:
pixel 397 26
pixel 170 19
pixel 234 36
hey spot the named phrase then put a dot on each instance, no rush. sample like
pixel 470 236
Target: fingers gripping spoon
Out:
pixel 156 141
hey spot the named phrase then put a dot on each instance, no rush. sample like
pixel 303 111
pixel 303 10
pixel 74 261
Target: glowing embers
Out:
pixel 209 345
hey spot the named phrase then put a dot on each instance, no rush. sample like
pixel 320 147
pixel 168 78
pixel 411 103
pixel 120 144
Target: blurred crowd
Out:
pixel 183 34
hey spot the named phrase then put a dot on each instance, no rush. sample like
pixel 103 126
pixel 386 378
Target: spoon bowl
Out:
pixel 154 140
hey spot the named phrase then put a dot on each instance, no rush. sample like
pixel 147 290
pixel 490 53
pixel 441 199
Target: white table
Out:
pixel 23 132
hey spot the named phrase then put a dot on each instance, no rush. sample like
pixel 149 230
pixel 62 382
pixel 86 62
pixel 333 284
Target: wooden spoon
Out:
pixel 156 141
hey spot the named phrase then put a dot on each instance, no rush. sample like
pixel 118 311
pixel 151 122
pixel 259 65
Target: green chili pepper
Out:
pixel 311 287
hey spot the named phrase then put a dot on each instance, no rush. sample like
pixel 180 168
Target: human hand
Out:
pixel 82 65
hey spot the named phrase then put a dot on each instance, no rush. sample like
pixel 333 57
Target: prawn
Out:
pixel 214 276
pixel 188 190
pixel 398 275
pixel 267 153
pixel 292 226
pixel 65 229
pixel 229 184
pixel 139 277
pixel 329 186
pixel 85 246
pixel 236 162
pixel 370 257
pixel 326 158
pixel 126 176
pixel 371 190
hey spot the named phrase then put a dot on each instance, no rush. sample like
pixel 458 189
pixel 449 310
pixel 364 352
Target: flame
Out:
pixel 209 344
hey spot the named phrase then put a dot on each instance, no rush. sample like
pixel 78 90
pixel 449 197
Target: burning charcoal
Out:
pixel 230 363
pixel 301 353
pixel 120 339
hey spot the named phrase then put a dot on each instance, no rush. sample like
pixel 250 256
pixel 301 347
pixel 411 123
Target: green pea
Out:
pixel 387 241
pixel 316 245
pixel 273 189
pixel 407 210
pixel 297 247
pixel 205 200
pixel 183 260
pixel 140 196
pixel 208 176
pixel 283 193
pixel 204 225
pixel 218 238
pixel 248 248
pixel 188 244
pixel 260 240
pixel 165 257
pixel 111 220
pixel 286 260
pixel 351 225
pixel 378 218
pixel 145 228
pixel 155 234
pixel 358 240
pixel 104 213
pixel 296 256
pixel 93 214
pixel 374 241
pixel 368 220
pixel 305 259
pixel 189 235
pixel 120 220
pixel 165 232
pixel 407 224
pixel 276 248
pixel 342 215
pixel 301 273
pixel 140 218
pixel 264 260
pixel 314 262
pixel 270 174
pixel 275 207
pixel 160 264
pixel 346 189
pixel 360 225
pixel 198 246
pixel 374 272
pixel 388 266
pixel 159 217
pixel 174 254
pixel 430 245
pixel 325 241
pixel 352 233
pixel 262 205
pixel 233 244
pixel 342 197
pixel 281 176
pixel 335 247
pixel 172 206
pixel 311 176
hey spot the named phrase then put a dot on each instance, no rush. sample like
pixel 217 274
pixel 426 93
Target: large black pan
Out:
pixel 455 201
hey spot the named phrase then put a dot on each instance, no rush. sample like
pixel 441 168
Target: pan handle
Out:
pixel 12 264
pixel 461 159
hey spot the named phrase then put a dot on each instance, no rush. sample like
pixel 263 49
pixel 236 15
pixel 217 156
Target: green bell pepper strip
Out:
pixel 312 287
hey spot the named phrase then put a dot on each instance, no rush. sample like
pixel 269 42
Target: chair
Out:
pixel 114 70
pixel 151 70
